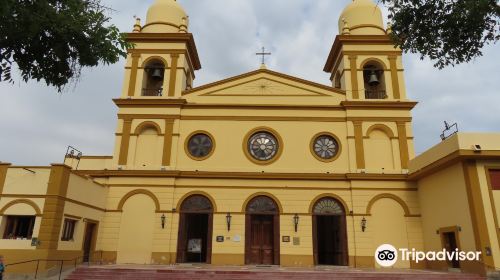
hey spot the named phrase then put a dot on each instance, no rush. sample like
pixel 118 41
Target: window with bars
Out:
pixel 19 227
pixel 68 230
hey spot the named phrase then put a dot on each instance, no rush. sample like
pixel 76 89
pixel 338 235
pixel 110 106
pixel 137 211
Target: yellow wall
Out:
pixel 444 203
pixel 136 231
pixel 389 227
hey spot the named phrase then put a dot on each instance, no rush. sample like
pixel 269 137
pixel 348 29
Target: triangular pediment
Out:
pixel 264 83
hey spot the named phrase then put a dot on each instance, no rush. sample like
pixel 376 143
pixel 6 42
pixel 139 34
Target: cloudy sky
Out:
pixel 37 123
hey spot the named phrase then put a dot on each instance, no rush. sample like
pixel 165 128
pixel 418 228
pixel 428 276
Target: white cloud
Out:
pixel 37 124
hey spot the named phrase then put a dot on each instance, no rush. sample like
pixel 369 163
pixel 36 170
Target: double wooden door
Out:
pixel 261 245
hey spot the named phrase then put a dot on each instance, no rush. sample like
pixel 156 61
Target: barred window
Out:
pixel 68 230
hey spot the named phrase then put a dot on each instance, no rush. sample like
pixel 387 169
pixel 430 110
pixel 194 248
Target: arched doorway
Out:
pixel 194 243
pixel 262 233
pixel 329 232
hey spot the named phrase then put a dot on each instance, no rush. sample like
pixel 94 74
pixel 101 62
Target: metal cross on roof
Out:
pixel 264 53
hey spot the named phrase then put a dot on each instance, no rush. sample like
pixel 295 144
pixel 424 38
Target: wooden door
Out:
pixel 450 245
pixel 87 243
pixel 261 245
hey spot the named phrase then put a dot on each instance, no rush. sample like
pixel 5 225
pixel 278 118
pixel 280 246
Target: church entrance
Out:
pixel 195 230
pixel 262 232
pixel 329 232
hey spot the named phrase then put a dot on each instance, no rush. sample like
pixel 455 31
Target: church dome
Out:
pixel 165 16
pixel 363 17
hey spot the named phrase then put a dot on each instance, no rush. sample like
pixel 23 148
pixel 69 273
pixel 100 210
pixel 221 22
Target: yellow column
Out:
pixel 478 216
pixel 394 77
pixel 403 145
pixel 133 74
pixel 173 75
pixel 354 76
pixel 4 167
pixel 127 126
pixel 53 208
pixel 167 142
pixel 360 149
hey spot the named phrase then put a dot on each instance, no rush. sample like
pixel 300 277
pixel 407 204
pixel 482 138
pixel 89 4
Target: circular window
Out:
pixel 325 147
pixel 263 146
pixel 199 146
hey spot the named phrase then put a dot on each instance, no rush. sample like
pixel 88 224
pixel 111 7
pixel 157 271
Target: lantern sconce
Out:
pixel 163 220
pixel 228 221
pixel 363 224
pixel 296 221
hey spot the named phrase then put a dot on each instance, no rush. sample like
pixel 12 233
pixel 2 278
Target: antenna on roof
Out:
pixel 449 130
pixel 73 153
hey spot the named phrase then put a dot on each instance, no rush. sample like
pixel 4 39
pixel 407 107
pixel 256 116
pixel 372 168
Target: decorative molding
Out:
pixel 21 201
pixel 394 77
pixel 313 141
pixel 133 75
pixel 449 160
pixel 186 38
pixel 125 142
pixel 173 75
pixel 186 146
pixel 265 71
pixel 354 76
pixel 403 145
pixel 270 131
pixel 136 192
pixel 359 144
pixel 390 196
pixel 167 142
pixel 387 130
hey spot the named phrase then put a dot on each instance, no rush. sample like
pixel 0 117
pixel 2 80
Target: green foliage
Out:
pixel 52 40
pixel 449 32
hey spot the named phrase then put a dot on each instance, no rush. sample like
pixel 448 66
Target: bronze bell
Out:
pixel 373 79
pixel 157 74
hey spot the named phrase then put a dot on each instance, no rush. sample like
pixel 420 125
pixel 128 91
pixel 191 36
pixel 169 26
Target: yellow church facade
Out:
pixel 261 168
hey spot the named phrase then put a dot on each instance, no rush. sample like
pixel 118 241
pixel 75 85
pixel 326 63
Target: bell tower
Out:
pixel 363 60
pixel 164 57
pixel 159 68
pixel 364 63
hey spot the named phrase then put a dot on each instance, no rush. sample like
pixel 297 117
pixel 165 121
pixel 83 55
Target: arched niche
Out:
pixel 148 146
pixel 379 152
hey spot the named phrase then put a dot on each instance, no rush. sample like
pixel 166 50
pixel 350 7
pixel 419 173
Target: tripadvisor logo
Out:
pixel 386 255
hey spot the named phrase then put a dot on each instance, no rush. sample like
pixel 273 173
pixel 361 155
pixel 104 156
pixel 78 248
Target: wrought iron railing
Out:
pixel 375 94
pixel 151 91
pixel 60 264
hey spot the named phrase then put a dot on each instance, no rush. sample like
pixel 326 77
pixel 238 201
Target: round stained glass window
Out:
pixel 200 146
pixel 263 146
pixel 325 147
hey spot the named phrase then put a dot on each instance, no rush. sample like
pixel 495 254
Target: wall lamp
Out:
pixel 228 221
pixel 296 221
pixel 363 224
pixel 163 219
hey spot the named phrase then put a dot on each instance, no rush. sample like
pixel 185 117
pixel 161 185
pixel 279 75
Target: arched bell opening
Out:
pixel 194 243
pixel 329 232
pixel 154 76
pixel 374 79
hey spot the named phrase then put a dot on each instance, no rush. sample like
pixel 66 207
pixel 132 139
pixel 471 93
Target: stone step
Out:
pixel 98 273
